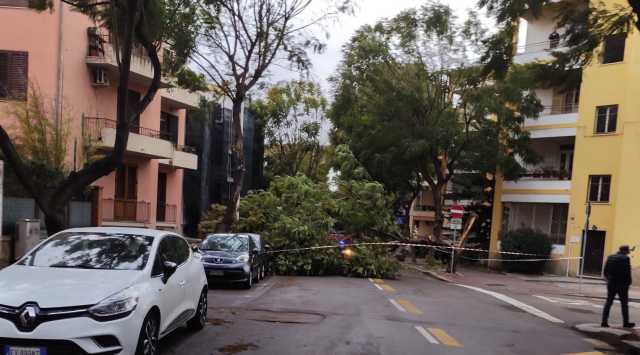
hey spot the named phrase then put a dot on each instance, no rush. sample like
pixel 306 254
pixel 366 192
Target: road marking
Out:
pixel 398 306
pixel 426 334
pixel 410 307
pixel 387 288
pixel 377 281
pixel 587 353
pixel 378 287
pixel 445 338
pixel 523 306
pixel 599 344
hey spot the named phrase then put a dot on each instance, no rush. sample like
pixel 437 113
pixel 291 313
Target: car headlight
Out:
pixel 116 306
pixel 243 258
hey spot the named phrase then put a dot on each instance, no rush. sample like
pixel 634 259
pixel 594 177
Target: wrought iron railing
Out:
pixel 124 210
pixel 560 109
pixel 93 127
pixel 546 174
pixel 537 47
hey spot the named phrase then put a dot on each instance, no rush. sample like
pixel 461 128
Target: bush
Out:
pixel 529 241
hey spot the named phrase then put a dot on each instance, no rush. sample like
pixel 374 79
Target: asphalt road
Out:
pixel 413 315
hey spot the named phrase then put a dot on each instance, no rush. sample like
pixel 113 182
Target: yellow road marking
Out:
pixel 377 281
pixel 587 353
pixel 410 307
pixel 387 288
pixel 445 338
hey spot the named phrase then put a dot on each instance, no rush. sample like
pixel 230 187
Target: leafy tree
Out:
pixel 526 241
pixel 292 114
pixel 296 212
pixel 407 95
pixel 131 23
pixel 240 41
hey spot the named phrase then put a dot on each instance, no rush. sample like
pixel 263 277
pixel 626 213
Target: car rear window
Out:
pixel 92 251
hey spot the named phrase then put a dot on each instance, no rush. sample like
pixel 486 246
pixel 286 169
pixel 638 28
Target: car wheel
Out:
pixel 199 320
pixel 148 343
pixel 249 282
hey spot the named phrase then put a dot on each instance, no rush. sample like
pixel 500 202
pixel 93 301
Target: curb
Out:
pixel 622 339
pixel 631 299
pixel 430 273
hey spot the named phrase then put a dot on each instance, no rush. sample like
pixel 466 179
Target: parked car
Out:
pixel 262 256
pixel 232 258
pixel 101 291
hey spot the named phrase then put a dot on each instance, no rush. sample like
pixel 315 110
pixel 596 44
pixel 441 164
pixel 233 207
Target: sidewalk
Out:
pixel 527 284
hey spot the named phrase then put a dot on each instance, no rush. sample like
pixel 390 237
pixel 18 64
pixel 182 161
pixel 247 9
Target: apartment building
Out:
pixel 588 140
pixel 73 63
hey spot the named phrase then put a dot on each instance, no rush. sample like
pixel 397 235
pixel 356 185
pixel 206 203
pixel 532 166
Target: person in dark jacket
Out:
pixel 617 272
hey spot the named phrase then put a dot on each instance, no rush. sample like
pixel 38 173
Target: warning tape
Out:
pixel 437 247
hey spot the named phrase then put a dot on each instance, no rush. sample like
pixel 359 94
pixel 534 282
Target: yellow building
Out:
pixel 589 139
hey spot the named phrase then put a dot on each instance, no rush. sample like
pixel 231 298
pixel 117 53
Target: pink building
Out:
pixel 74 66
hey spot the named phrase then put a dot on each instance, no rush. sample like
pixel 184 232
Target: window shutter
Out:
pixel 4 75
pixel 17 75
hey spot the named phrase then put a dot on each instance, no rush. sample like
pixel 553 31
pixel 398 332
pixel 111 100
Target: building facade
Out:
pixel 587 137
pixel 73 64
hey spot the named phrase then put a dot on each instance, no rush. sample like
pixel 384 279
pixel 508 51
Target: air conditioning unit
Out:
pixel 100 77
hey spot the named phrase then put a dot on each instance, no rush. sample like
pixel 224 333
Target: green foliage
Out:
pixel 293 114
pixel 412 107
pixel 211 219
pixel 40 140
pixel 296 212
pixel 529 241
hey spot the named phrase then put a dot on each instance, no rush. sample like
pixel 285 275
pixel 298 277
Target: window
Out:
pixel 606 119
pixel 614 48
pixel 169 127
pixel 599 186
pixel 127 183
pixel 13 75
pixel 173 249
pixel 559 223
pixel 14 3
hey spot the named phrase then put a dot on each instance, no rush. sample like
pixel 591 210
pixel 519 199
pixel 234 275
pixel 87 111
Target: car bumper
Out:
pixel 227 273
pixel 73 336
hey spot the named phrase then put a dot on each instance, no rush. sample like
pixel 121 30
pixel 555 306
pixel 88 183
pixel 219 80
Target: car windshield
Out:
pixel 92 251
pixel 226 242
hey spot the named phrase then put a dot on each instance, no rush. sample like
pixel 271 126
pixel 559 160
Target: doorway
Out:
pixel 161 207
pixel 594 254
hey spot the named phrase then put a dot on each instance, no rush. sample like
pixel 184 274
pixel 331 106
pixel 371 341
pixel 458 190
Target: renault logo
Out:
pixel 28 315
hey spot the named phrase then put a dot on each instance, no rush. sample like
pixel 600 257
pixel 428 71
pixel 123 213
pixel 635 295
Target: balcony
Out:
pixel 554 121
pixel 166 213
pixel 101 54
pixel 144 142
pixel 178 98
pixel 125 211
pixel 539 51
pixel 539 186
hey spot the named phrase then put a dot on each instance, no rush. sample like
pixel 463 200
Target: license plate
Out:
pixel 18 350
pixel 215 273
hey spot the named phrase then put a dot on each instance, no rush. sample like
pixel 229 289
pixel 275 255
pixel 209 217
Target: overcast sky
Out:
pixel 367 12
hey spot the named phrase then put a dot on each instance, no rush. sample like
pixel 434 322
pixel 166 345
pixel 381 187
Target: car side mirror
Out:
pixel 168 269
pixel 255 252
pixel 195 248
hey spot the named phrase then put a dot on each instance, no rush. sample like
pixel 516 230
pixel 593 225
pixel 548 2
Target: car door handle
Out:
pixel 182 283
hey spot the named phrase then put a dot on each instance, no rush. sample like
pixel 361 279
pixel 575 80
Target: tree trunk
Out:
pixel 438 205
pixel 237 166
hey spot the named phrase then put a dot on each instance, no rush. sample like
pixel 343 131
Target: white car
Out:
pixel 101 291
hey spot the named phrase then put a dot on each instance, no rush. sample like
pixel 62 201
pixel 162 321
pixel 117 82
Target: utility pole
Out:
pixel 584 243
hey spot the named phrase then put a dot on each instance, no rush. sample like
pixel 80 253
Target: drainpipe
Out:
pixel 60 69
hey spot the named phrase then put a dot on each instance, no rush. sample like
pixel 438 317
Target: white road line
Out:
pixel 397 305
pixel 523 306
pixel 430 338
pixel 378 287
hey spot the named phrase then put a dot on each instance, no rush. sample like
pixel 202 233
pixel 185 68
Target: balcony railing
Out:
pixel 559 109
pixel 546 174
pixel 122 210
pixel 166 213
pixel 539 47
